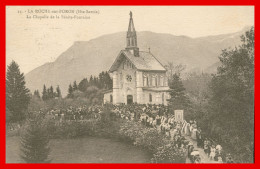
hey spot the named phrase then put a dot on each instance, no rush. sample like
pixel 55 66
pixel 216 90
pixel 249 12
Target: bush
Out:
pixel 169 153
pixel 34 142
pixel 163 150
pixel 107 125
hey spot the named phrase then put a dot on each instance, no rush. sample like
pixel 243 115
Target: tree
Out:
pixel 44 93
pixel 48 93
pixel 37 94
pixel 58 92
pixel 70 92
pixel 197 87
pixel 178 98
pixel 108 82
pixel 34 143
pixel 17 95
pixel 174 69
pixel 83 84
pixel 51 94
pixel 232 102
pixel 91 81
pixel 75 86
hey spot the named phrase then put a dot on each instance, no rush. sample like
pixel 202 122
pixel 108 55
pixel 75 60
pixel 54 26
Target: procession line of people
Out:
pixel 157 116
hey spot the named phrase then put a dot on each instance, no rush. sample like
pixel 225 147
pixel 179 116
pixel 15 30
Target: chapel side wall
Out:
pixel 116 99
pixel 139 87
pixel 156 97
pixel 151 74
pixel 107 97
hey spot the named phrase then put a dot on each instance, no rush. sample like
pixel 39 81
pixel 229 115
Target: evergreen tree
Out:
pixel 37 94
pixel 44 93
pixel 102 80
pixel 178 98
pixel 83 85
pixel 34 143
pixel 48 94
pixel 95 81
pixel 17 95
pixel 70 92
pixel 58 92
pixel 108 81
pixel 75 86
pixel 51 94
pixel 91 81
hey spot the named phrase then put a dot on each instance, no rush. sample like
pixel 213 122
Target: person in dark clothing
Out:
pixel 229 159
pixel 199 138
pixel 207 146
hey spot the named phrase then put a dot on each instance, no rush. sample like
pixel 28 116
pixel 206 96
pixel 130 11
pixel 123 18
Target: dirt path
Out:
pixel 203 156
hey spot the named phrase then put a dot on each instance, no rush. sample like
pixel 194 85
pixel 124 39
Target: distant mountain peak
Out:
pixel 85 58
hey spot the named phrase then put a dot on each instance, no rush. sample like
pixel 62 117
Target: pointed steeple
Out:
pixel 131 38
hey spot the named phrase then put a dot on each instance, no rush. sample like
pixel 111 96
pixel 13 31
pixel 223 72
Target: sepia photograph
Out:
pixel 130 84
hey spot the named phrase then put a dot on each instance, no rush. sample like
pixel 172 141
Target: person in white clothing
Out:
pixel 212 152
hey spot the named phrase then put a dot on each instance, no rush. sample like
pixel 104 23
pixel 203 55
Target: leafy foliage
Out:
pixel 163 149
pixel 232 102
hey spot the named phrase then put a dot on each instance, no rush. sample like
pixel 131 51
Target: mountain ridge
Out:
pixel 85 58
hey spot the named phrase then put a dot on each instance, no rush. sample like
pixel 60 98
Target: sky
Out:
pixel 32 42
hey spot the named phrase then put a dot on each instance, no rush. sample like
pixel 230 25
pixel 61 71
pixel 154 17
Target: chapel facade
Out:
pixel 138 76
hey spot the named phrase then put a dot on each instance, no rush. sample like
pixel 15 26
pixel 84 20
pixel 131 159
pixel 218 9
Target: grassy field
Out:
pixel 84 150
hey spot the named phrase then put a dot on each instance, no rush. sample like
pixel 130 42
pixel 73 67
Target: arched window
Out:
pixel 128 42
pixel 111 98
pixel 156 81
pixel 161 81
pixel 150 97
pixel 153 81
pixel 157 98
pixel 145 80
pixel 150 81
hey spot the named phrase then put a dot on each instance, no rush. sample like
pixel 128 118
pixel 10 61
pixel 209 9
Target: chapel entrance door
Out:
pixel 129 99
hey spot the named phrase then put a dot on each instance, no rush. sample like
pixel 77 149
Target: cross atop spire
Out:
pixel 131 27
pixel 131 38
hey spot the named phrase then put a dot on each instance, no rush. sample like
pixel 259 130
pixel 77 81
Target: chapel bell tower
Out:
pixel 131 38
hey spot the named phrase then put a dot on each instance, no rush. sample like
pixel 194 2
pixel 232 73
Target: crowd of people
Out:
pixel 157 116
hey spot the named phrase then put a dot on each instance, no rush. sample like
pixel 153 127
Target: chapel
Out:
pixel 138 76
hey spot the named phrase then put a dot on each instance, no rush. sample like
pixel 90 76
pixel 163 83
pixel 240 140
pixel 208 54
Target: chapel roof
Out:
pixel 145 61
